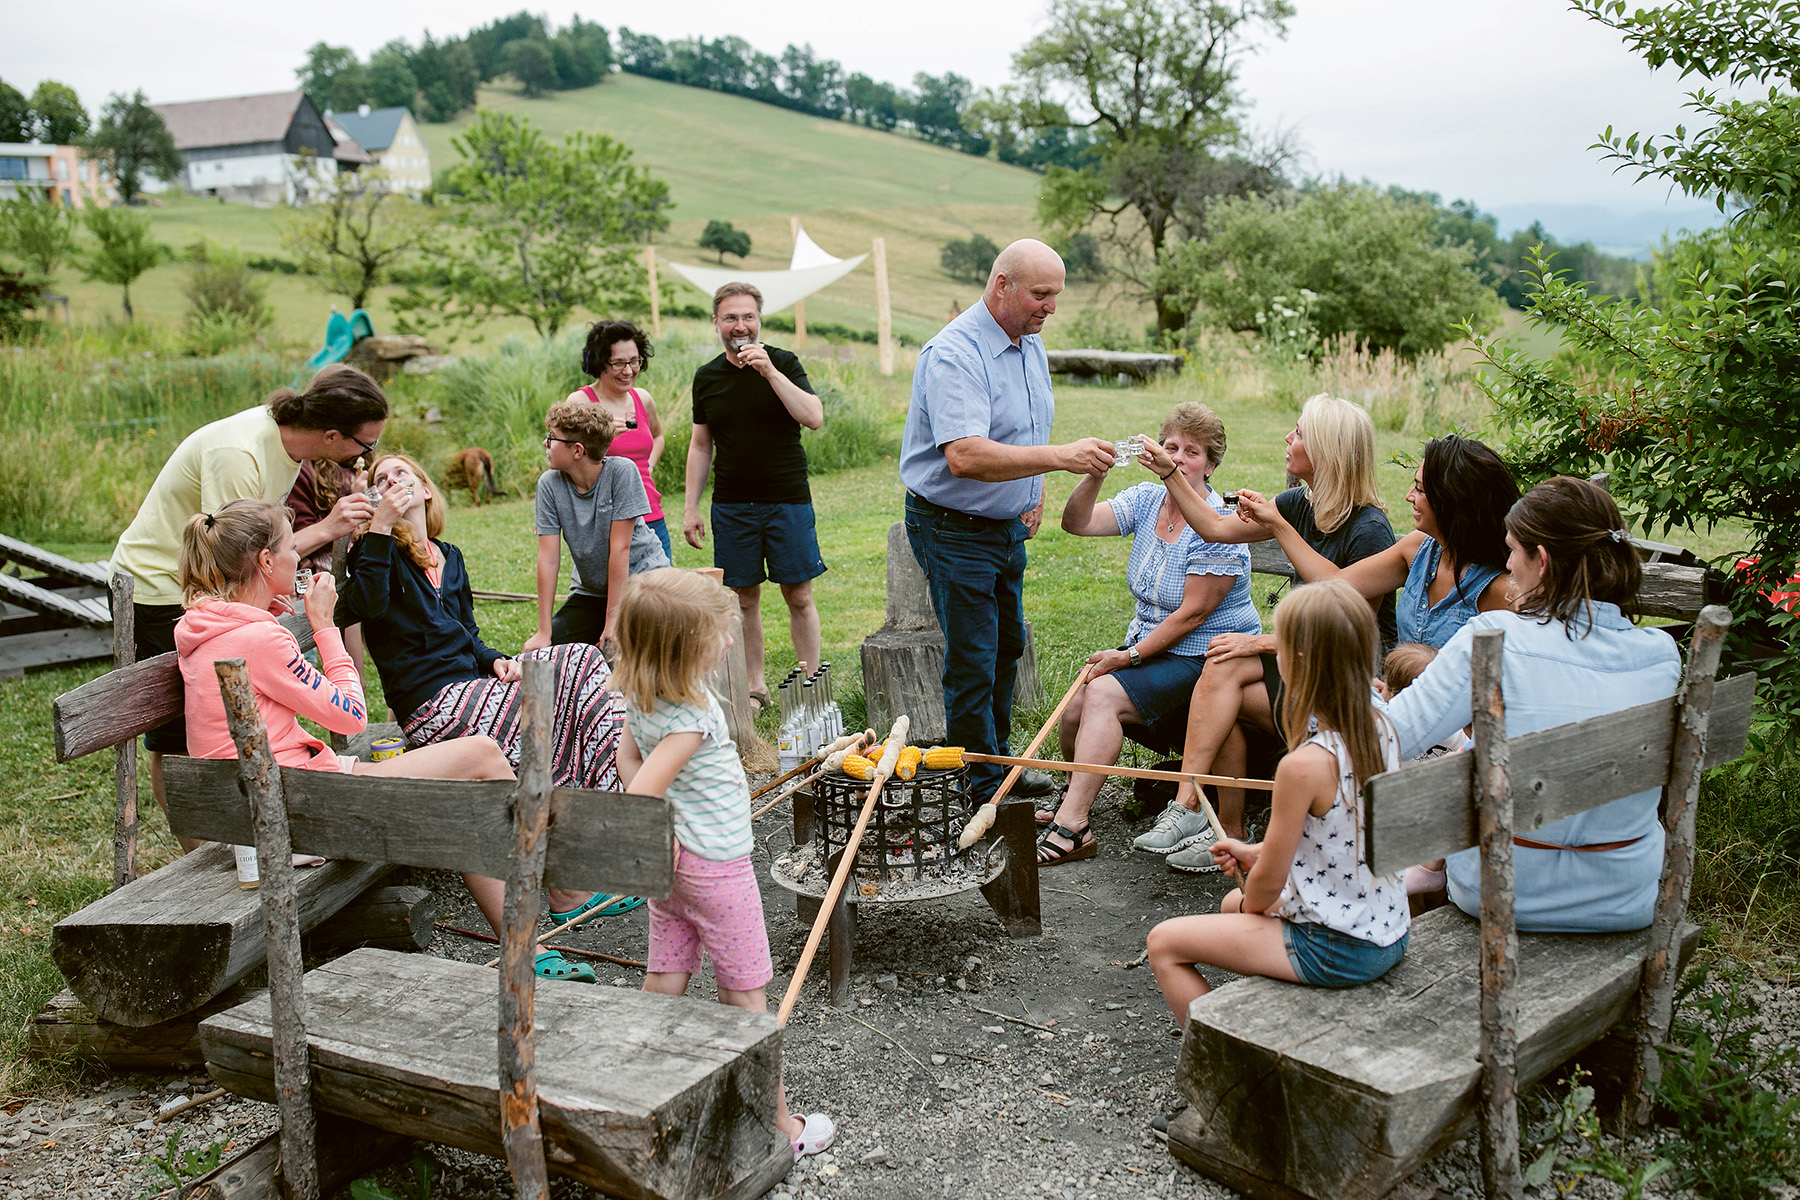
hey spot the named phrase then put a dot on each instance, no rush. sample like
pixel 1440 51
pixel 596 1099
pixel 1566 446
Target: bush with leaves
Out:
pixel 37 231
pixel 1688 399
pixel 227 303
pixel 725 238
pixel 125 249
pixel 969 261
pixel 541 229
pixel 18 296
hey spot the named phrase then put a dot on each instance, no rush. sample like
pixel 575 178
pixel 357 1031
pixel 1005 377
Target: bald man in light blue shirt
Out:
pixel 972 459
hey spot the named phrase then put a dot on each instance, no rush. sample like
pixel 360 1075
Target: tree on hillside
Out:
pixel 57 115
pixel 1373 262
pixel 1688 400
pixel 726 239
pixel 875 104
pixel 969 261
pixel 391 82
pixel 133 141
pixel 531 63
pixel 1155 82
pixel 37 231
pixel 354 232
pixel 15 114
pixel 333 76
pixel 125 249
pixel 447 75
pixel 540 229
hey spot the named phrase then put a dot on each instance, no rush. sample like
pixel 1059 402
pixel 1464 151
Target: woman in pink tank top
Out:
pixel 615 354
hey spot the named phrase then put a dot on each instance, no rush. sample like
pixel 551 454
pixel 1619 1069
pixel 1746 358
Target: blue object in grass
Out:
pixel 341 333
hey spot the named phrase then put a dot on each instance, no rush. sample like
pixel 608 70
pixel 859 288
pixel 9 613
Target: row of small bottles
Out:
pixel 810 718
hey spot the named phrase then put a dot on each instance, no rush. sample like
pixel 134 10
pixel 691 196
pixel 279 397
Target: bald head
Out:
pixel 1023 286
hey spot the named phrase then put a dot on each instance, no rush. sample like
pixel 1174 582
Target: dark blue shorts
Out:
pixel 749 537
pixel 1161 685
pixel 1323 957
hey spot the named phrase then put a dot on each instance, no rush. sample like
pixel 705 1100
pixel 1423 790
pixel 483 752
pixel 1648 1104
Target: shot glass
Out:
pixel 302 580
pixel 1126 450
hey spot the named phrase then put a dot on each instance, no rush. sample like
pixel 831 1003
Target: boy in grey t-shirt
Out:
pixel 597 505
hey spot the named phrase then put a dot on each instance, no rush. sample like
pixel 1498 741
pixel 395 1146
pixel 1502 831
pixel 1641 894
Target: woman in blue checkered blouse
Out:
pixel 1186 590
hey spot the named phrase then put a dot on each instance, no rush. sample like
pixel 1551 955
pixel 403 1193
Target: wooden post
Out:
pixel 1500 1176
pixel 1656 992
pixel 655 300
pixel 125 789
pixel 260 781
pixel 799 305
pixel 519 1131
pixel 840 935
pixel 884 314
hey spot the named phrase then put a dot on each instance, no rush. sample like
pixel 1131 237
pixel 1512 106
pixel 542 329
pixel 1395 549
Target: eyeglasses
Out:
pixel 564 441
pixel 625 364
pixel 368 447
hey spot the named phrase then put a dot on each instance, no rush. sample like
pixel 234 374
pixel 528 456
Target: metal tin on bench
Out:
pixel 386 747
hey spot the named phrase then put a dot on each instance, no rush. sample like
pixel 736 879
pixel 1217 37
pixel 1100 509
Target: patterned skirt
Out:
pixel 589 717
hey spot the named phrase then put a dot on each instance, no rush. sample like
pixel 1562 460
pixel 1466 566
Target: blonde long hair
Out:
pixel 1340 440
pixel 404 535
pixel 671 627
pixel 220 551
pixel 1329 634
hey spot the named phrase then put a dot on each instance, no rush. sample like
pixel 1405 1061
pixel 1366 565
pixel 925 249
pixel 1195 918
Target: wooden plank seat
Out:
pixel 637 1095
pixel 1310 1092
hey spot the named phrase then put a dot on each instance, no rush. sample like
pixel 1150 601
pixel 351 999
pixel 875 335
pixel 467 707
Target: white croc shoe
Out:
pixel 818 1135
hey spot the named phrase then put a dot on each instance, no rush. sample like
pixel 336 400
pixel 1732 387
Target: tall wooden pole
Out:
pixel 655 300
pixel 799 305
pixel 1500 1176
pixel 125 787
pixel 520 1133
pixel 884 314
pixel 1656 990
pixel 260 781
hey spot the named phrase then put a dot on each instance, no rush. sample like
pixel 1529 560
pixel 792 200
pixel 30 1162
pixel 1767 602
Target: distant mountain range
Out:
pixel 1624 234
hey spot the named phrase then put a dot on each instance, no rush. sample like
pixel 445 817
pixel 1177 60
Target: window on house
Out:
pixel 13 168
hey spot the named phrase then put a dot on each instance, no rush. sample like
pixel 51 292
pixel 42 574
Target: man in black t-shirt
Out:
pixel 749 405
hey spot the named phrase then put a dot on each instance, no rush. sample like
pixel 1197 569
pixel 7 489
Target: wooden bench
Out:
pixel 635 1094
pixel 1309 1092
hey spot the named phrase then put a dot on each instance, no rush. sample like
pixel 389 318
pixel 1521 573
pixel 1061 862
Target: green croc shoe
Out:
pixel 603 904
pixel 552 965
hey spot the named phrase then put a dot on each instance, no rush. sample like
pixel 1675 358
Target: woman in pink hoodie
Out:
pixel 237 574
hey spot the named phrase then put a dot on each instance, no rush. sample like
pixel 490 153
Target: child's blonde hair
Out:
pixel 219 551
pixel 1405 663
pixel 1329 634
pixel 435 511
pixel 671 626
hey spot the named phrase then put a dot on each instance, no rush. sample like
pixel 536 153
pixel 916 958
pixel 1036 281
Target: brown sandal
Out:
pixel 1049 854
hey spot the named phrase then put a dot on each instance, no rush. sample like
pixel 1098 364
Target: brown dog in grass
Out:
pixel 474 469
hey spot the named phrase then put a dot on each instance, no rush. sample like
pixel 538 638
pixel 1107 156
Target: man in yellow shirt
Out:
pixel 251 455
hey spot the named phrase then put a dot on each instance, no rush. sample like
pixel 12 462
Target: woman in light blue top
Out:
pixel 1450 567
pixel 1187 591
pixel 1570 653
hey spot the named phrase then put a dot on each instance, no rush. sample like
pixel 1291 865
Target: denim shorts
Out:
pixel 748 536
pixel 1161 684
pixel 1323 957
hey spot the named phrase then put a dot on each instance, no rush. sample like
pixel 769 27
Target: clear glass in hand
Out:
pixel 1126 450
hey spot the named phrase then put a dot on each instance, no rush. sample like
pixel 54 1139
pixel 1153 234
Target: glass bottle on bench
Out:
pixel 249 879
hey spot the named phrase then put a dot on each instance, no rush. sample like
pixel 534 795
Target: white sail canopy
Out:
pixel 810 269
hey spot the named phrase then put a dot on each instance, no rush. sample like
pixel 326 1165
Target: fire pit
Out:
pixel 909 852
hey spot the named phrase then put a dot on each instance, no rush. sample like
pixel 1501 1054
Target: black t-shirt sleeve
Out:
pixel 700 390
pixel 1370 534
pixel 789 364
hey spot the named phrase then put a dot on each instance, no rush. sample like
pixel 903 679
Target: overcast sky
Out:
pixel 1495 100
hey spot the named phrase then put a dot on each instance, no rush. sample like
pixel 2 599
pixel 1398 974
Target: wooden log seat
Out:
pixel 639 1095
pixel 1297 1091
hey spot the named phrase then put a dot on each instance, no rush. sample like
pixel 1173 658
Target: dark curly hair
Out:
pixel 339 397
pixel 603 337
pixel 1469 490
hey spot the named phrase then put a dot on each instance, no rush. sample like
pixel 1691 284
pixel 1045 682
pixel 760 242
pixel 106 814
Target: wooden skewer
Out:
pixel 883 770
pixel 851 743
pixel 1081 768
pixel 983 820
pixel 776 782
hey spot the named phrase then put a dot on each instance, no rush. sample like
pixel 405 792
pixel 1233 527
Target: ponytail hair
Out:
pixel 1590 556
pixel 1329 634
pixel 339 397
pixel 219 551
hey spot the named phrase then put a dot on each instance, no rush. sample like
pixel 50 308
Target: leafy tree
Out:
pixel 1375 264
pixel 1687 400
pixel 969 261
pixel 876 105
pixel 725 238
pixel 1082 258
pixel 489 42
pixel 583 54
pixel 37 231
pixel 937 111
pixel 18 296
pixel 355 232
pixel 57 115
pixel 392 83
pixel 447 75
pixel 132 140
pixel 334 77
pixel 540 229
pixel 643 54
pixel 15 114
pixel 531 63
pixel 1155 82
pixel 125 248
pixel 812 84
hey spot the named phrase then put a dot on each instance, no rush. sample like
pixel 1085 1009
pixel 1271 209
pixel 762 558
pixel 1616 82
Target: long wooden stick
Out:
pixel 1081 768
pixel 776 782
pixel 852 745
pixel 846 862
pixel 983 820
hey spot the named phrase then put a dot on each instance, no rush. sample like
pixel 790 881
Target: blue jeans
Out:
pixel 975 570
pixel 660 527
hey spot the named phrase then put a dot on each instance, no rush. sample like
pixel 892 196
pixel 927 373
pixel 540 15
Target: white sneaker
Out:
pixel 1197 859
pixel 817 1136
pixel 1177 828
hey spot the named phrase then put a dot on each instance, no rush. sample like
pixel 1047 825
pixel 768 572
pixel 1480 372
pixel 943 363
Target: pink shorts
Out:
pixel 715 907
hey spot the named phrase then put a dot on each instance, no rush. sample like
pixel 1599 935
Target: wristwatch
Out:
pixel 1132 654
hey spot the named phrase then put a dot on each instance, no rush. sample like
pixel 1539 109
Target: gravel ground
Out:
pixel 967 1064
